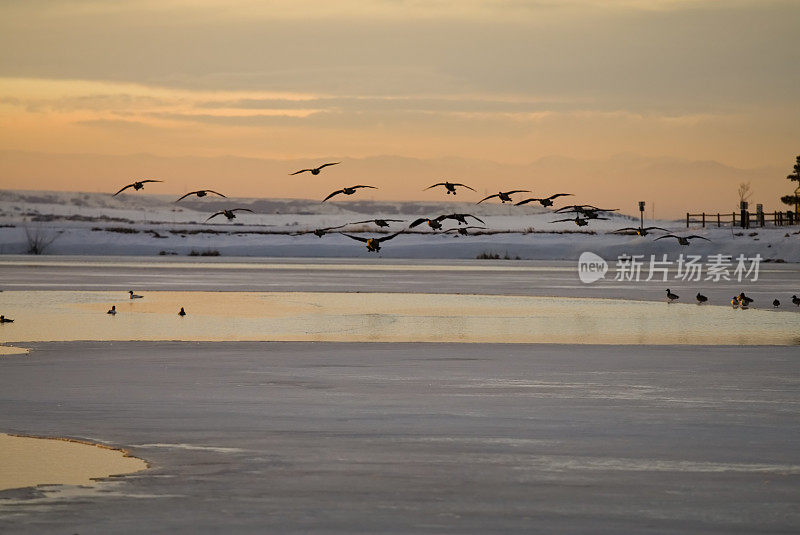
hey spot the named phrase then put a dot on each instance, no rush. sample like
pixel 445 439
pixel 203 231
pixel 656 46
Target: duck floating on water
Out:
pixel 112 310
pixel 133 295
pixel 182 312
pixel 4 319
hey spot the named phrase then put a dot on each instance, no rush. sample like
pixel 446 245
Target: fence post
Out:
pixel 704 220
pixel 687 219
pixel 719 223
pixel 733 215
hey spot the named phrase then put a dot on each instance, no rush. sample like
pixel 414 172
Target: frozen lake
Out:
pixel 341 436
pixel 58 315
pixel 423 438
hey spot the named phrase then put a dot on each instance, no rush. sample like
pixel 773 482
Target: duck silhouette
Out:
pixel 112 310
pixel 671 296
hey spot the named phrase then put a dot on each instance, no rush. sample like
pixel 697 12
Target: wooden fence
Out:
pixel 743 219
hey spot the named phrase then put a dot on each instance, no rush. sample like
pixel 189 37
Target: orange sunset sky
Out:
pixel 671 101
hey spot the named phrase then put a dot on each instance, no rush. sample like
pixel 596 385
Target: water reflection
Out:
pixel 375 317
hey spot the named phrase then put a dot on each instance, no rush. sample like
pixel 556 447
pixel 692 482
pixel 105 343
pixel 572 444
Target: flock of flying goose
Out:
pixel 583 213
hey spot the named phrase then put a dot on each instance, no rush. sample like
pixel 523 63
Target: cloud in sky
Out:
pixel 508 81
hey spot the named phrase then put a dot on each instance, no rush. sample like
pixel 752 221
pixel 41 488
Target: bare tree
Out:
pixel 745 191
pixel 39 239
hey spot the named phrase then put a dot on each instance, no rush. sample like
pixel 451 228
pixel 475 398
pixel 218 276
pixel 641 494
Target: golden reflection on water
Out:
pixel 376 317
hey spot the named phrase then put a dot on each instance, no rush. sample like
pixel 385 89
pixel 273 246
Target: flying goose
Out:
pixel 449 186
pixel 133 295
pixel 639 231
pixel 701 298
pixel 586 210
pixel 136 185
pixel 435 224
pixel 4 319
pixel 113 310
pixel 671 296
pixel 578 220
pixel 320 232
pixel 373 244
pixel 380 222
pixel 315 170
pixel 683 240
pixel 462 218
pixel 347 191
pixel 504 196
pixel 201 193
pixel 544 201
pixel 463 231
pixel 229 213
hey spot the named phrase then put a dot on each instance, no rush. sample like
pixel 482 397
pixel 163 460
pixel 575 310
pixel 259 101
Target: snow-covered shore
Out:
pixel 98 224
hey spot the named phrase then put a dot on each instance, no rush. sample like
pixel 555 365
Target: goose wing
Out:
pixel 123 189
pixel 337 192
pixel 362 186
pixel 624 229
pixel 215 215
pixel 215 192
pixel 148 180
pixel 389 237
pixel 526 201
pixel 242 210
pixel 300 171
pixel 190 193
pixel 551 197
pixel 419 221
pixel 563 220
pixel 359 238
pixel 437 184
pixel 327 164
pixel 517 191
pixel 696 236
pixel 656 228
pixel 462 185
pixel 487 198
pixel 666 236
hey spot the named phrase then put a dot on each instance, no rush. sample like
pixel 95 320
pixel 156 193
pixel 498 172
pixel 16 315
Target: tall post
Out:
pixel 743 214
pixel 641 214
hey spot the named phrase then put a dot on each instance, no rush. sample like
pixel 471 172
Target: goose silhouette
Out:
pixel 139 184
pixel 450 187
pixel 314 170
